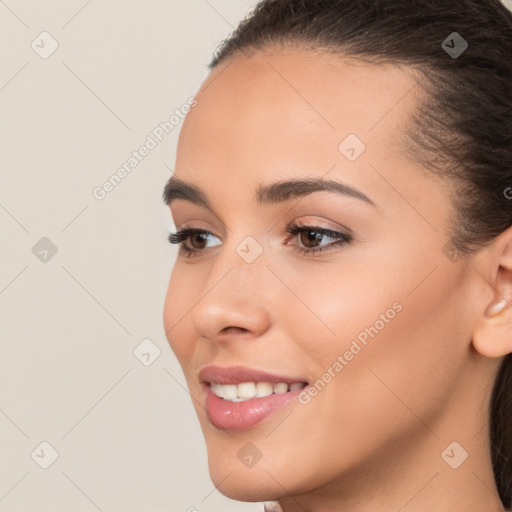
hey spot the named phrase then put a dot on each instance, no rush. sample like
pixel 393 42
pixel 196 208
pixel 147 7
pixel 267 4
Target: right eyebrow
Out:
pixel 176 188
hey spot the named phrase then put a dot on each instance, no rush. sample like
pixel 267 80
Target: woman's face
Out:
pixel 378 326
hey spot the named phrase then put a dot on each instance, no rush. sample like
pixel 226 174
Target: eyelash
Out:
pixel 297 227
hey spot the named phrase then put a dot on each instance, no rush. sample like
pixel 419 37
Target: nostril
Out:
pixel 230 328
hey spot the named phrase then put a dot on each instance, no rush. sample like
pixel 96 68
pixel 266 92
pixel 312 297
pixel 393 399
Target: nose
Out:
pixel 236 300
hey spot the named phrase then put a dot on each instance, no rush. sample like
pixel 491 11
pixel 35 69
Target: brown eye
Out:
pixel 198 240
pixel 310 237
pixel 192 241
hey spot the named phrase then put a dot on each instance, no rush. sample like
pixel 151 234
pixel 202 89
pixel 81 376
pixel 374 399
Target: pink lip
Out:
pixel 227 415
pixel 238 374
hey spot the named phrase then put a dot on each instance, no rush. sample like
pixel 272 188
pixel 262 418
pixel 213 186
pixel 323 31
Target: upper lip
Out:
pixel 238 374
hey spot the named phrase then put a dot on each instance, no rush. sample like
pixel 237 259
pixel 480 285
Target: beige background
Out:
pixel 126 434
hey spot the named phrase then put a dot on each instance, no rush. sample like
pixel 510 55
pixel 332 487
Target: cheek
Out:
pixel 400 343
pixel 359 298
pixel 398 319
pixel 339 303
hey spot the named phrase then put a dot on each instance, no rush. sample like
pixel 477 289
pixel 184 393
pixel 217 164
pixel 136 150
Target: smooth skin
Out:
pixel 373 438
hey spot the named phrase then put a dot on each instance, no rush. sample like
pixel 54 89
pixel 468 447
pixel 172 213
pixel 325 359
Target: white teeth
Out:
pixel 281 388
pixel 264 389
pixel 248 390
pixel 228 391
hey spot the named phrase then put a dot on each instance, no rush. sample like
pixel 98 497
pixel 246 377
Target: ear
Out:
pixel 492 335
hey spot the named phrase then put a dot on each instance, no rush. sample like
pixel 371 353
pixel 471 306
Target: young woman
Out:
pixel 341 304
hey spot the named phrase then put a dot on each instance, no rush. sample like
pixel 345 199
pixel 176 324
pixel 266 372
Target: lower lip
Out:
pixel 227 415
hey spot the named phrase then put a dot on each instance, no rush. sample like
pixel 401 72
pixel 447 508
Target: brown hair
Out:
pixel 461 129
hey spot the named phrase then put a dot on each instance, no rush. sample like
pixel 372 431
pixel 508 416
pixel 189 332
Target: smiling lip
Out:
pixel 227 415
pixel 238 374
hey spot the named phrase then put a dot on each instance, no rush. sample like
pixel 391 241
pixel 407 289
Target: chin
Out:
pixel 248 484
pixel 265 480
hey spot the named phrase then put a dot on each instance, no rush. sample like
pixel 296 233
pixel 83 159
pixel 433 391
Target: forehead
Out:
pixel 291 100
pixel 281 114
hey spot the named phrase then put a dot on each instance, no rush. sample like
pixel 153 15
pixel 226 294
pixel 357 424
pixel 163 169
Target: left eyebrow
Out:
pixel 265 194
